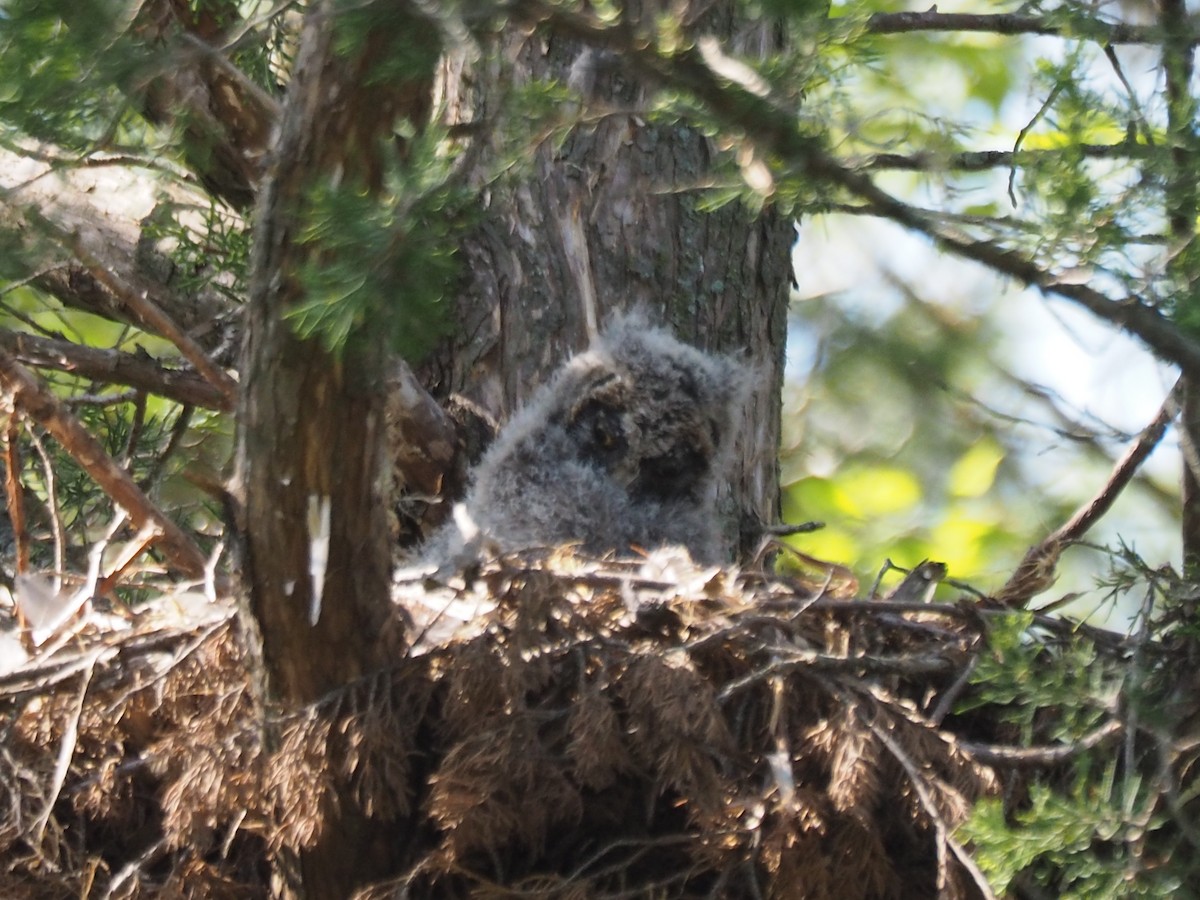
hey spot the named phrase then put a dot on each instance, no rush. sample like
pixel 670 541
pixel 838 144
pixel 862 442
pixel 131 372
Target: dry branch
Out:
pixel 1037 571
pixel 600 731
pixel 33 398
pixel 1016 24
pixel 134 293
pixel 1036 757
pixel 113 367
pixel 100 207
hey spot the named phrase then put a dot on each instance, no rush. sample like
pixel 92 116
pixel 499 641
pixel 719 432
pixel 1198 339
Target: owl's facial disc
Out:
pixel 599 432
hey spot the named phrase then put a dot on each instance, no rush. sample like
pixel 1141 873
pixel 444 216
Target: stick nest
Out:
pixel 559 727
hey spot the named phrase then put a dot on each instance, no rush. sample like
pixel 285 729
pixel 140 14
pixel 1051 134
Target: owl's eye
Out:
pixel 600 433
pixel 604 438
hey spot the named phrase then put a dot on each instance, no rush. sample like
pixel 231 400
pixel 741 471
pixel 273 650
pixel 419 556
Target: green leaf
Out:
pixel 878 491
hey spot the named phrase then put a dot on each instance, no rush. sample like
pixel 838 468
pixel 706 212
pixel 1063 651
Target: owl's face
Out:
pixel 653 422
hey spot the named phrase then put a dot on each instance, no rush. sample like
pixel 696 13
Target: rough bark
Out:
pixel 311 422
pixel 225 119
pixel 609 220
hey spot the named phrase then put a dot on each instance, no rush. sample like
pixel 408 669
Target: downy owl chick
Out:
pixel 625 447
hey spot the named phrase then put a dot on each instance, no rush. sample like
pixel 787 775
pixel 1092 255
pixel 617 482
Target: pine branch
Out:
pixel 984 160
pixel 33 397
pixel 113 367
pixel 1017 24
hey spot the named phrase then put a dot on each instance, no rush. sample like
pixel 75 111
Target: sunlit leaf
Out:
pixel 975 472
pixel 878 491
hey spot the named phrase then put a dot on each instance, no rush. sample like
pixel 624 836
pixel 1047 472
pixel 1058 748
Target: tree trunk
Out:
pixel 310 420
pixel 609 220
pixel 606 221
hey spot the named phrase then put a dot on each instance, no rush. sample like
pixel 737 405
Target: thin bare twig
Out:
pixel 66 750
pixel 1039 757
pixel 1023 133
pixel 791 659
pixel 1014 24
pixel 951 694
pixel 1037 570
pixel 56 526
pixel 942 829
pixel 159 465
pixel 134 866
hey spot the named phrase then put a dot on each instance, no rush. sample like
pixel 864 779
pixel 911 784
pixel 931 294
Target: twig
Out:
pixel 951 694
pixel 1021 135
pixel 14 490
pixel 66 750
pixel 923 663
pixel 1037 571
pixel 1037 757
pixel 137 426
pixel 178 430
pixel 983 160
pixel 56 526
pixel 785 529
pixel 35 399
pixel 103 400
pixel 135 865
pixel 944 840
pixel 1013 24
pixel 1143 126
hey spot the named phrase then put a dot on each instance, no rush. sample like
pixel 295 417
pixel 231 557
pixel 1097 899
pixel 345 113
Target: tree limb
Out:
pixel 983 160
pixel 1016 24
pixel 99 210
pixel 113 367
pixel 1037 570
pixel 32 397
pixel 134 295
pixel 776 130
